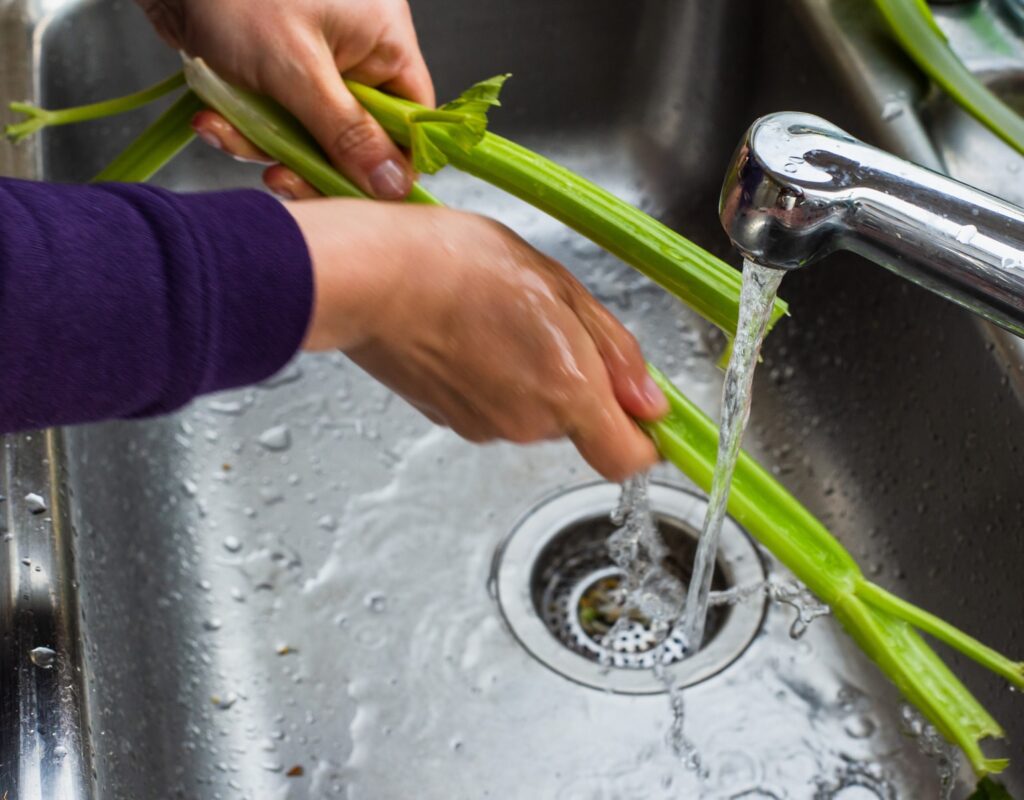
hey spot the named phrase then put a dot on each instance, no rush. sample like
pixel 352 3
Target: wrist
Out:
pixel 356 250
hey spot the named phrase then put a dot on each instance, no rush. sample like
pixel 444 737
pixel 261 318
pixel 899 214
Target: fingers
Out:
pixel 611 442
pixel 285 183
pixel 413 82
pixel 595 420
pixel 217 132
pixel 352 139
pixel 634 388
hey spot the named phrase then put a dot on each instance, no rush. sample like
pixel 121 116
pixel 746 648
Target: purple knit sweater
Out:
pixel 127 300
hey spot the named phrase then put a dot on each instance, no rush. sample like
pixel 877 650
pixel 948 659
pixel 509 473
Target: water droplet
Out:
pixel 276 438
pixel 225 702
pixel 860 727
pixel 328 523
pixel 232 544
pixel 35 503
pixel 892 110
pixel 43 657
pixel 376 602
pixel 212 624
pixel 59 752
pixel 190 487
pixel 231 407
pixel 966 234
pixel 269 495
pixel 289 374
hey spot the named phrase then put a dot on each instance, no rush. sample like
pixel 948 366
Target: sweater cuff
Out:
pixel 262 299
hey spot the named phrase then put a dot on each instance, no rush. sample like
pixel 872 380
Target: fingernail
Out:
pixel 210 138
pixel 653 394
pixel 389 181
pixel 284 194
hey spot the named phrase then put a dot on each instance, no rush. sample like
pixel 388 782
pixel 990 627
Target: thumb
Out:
pixel 350 137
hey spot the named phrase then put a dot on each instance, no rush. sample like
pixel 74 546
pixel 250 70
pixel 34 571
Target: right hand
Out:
pixel 476 329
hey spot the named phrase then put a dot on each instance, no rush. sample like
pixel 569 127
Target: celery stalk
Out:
pixel 277 133
pixel 39 118
pixel 883 628
pixel 705 283
pixel 915 28
pixel 157 145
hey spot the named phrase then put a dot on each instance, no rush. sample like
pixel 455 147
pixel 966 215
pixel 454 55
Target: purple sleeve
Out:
pixel 122 300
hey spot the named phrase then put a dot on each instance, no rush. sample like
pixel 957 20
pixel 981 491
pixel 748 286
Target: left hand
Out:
pixel 296 52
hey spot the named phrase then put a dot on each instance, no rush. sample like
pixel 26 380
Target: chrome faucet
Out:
pixel 800 188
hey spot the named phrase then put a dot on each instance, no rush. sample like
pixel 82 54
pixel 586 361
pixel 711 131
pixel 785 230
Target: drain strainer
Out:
pixel 561 593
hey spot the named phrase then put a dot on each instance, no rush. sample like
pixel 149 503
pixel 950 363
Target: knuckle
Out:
pixel 391 55
pixel 354 136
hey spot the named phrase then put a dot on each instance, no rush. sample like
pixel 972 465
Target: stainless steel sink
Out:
pixel 314 612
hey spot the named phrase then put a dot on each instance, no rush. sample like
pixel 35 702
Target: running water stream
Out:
pixel 760 285
pixel 636 547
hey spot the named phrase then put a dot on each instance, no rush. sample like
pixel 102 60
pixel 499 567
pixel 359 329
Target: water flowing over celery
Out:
pixel 887 628
pixel 760 286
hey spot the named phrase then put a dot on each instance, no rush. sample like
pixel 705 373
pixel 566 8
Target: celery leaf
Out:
pixel 464 120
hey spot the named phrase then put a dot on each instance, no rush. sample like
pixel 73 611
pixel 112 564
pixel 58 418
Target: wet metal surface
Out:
pixel 283 590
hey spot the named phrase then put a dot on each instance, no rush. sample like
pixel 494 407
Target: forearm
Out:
pixel 122 301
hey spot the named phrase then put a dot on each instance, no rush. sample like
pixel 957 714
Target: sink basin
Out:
pixel 292 590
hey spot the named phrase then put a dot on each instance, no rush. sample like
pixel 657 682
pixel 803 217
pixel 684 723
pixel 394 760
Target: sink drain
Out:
pixel 560 591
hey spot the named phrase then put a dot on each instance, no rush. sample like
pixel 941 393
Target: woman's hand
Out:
pixel 476 329
pixel 296 52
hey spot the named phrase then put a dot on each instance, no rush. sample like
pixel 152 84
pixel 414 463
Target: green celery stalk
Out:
pixel 702 281
pixel 162 140
pixel 277 133
pixel 915 28
pixel 39 118
pixel 881 624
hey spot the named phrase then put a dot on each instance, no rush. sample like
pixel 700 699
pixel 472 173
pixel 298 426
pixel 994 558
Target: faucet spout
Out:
pixel 800 188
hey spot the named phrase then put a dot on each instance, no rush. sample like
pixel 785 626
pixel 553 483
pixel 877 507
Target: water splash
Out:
pixel 791 593
pixel 760 285
pixel 682 747
pixel 945 756
pixel 637 549
pixel 808 607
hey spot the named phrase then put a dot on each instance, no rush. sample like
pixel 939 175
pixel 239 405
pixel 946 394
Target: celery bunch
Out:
pixel 887 628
